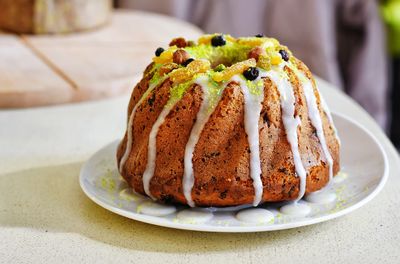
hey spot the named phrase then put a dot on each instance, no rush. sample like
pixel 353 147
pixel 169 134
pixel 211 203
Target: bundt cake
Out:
pixel 227 121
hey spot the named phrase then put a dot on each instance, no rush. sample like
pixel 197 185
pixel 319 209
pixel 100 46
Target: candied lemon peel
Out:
pixel 219 57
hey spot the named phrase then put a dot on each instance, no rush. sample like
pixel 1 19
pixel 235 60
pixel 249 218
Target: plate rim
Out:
pixel 242 229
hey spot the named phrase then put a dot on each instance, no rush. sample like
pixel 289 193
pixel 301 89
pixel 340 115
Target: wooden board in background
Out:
pixel 87 65
pixel 25 80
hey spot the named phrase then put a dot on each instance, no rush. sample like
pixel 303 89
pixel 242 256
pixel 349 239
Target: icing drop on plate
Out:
pixel 256 216
pixel 155 209
pixel 290 123
pixel 321 197
pixel 194 216
pixel 315 118
pixel 202 117
pixel 295 209
pixel 252 110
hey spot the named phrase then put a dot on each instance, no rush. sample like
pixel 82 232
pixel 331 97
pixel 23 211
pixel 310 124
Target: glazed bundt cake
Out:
pixel 227 121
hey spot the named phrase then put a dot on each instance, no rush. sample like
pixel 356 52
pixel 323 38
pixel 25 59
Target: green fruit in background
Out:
pixel 390 11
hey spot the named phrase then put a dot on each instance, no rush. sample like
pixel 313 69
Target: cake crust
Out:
pixel 221 158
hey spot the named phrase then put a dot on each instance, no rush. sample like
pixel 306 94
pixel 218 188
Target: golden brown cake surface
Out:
pixel 216 89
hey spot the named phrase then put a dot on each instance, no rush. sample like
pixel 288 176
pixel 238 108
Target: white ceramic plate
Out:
pixel 364 173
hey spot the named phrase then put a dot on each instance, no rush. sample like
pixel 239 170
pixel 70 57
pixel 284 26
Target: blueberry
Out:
pixel 185 63
pixel 251 73
pixel 159 51
pixel 218 40
pixel 259 36
pixel 284 55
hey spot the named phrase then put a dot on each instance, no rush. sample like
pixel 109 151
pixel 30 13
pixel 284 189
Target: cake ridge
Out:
pixel 291 123
pixel 315 118
pixel 206 109
pixel 252 111
pixel 130 121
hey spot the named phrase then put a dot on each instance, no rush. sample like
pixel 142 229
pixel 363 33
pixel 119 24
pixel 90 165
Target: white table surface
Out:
pixel 46 218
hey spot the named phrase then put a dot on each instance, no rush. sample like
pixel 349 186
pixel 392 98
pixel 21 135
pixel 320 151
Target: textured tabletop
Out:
pixel 46 218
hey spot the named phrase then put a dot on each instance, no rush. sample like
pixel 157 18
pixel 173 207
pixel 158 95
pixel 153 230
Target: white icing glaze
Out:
pixel 315 118
pixel 194 216
pixel 290 123
pixel 295 209
pixel 202 117
pixel 252 104
pixel 321 197
pixel 252 110
pixel 128 147
pixel 155 209
pixel 152 149
pixel 256 216
pixel 329 115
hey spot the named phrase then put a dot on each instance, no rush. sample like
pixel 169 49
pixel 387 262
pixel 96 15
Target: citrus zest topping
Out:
pixel 236 68
pixel 276 59
pixel 184 74
pixel 165 56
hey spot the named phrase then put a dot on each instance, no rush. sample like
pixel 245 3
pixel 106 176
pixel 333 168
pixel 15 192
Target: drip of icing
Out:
pixel 152 149
pixel 194 216
pixel 329 115
pixel 315 118
pixel 155 209
pixel 252 109
pixel 253 104
pixel 295 209
pixel 321 197
pixel 148 174
pixel 290 123
pixel 205 111
pixel 256 216
pixel 130 127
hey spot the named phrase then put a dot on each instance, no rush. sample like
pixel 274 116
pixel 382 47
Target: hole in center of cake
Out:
pixel 219 57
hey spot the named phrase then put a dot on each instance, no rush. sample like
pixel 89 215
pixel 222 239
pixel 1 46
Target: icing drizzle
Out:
pixel 130 121
pixel 290 123
pixel 252 109
pixel 253 92
pixel 315 118
pixel 152 149
pixel 206 109
pixel 329 115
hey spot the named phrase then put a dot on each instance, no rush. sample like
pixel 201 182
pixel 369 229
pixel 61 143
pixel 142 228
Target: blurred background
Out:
pixel 354 44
